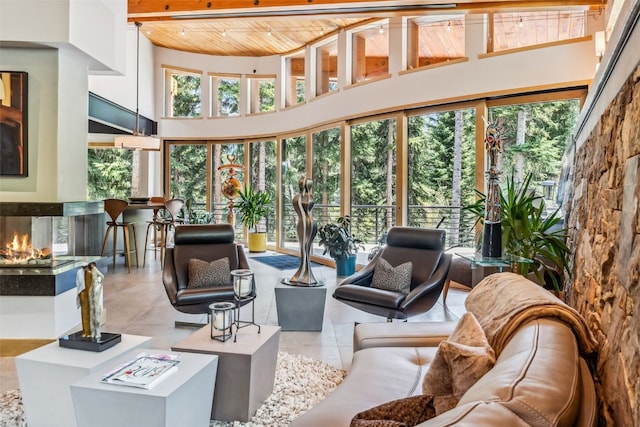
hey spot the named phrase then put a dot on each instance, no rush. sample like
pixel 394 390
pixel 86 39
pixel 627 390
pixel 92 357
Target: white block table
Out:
pixel 45 374
pixel 182 399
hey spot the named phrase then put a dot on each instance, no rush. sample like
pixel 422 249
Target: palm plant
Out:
pixel 528 232
pixel 253 206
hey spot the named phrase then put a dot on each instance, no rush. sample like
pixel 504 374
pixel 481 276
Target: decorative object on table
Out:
pixel 253 207
pixel 231 186
pixel 492 228
pixel 307 229
pixel 530 232
pixel 145 371
pixel 89 300
pixel 222 320
pixel 14 159
pixel 244 292
pixel 341 245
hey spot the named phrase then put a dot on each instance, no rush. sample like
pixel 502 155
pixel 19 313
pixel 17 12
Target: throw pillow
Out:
pixel 203 273
pixel 406 412
pixel 392 279
pixel 460 361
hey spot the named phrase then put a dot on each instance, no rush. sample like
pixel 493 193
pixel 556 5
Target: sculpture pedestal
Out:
pixel 300 308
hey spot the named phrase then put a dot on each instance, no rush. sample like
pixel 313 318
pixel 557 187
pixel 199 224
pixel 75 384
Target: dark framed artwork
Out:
pixel 13 124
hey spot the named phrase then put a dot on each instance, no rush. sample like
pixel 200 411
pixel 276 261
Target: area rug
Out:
pixel 301 382
pixel 281 262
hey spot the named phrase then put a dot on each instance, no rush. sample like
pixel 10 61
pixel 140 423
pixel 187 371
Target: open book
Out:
pixel 145 371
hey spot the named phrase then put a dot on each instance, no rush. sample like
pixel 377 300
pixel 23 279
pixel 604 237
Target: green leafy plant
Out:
pixel 252 206
pixel 337 239
pixel 529 232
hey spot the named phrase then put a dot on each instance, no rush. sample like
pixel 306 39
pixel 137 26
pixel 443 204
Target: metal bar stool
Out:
pixel 157 223
pixel 114 208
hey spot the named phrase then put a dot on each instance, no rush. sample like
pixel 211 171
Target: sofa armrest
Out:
pixel 407 334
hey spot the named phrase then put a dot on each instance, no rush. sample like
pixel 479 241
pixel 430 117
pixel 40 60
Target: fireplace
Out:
pixel 42 246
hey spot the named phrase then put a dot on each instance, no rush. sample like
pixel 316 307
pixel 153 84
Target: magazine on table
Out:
pixel 144 371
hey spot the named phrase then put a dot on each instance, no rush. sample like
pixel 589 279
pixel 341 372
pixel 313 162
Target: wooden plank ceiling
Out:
pixel 277 27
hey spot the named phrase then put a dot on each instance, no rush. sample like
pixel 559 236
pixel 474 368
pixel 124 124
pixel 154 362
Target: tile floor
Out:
pixel 137 304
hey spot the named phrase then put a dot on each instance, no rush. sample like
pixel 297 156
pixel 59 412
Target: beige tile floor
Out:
pixel 137 304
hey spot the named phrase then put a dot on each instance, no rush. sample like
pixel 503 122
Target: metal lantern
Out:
pixel 222 320
pixel 242 283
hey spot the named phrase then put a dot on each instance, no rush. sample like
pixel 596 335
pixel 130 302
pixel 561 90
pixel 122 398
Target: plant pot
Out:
pixel 257 242
pixel 346 266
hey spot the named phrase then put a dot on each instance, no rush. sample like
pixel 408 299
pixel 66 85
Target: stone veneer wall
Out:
pixel 605 232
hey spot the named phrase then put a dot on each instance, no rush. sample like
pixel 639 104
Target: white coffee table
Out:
pixel 45 374
pixel 246 371
pixel 182 399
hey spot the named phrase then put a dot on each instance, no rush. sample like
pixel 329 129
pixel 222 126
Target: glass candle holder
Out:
pixel 242 282
pixel 221 320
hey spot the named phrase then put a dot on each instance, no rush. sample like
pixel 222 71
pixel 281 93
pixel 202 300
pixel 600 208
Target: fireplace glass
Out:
pixel 44 241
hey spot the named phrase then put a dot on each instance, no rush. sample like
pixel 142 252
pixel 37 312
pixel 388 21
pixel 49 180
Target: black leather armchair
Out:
pixel 425 249
pixel 207 242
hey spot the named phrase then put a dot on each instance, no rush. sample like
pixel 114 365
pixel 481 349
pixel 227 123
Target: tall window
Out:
pixel 373 178
pixel 294 154
pixel 327 67
pixel 326 174
pixel 109 173
pixel 435 38
pixel 294 79
pixel 188 172
pixel 370 52
pixel 518 29
pixel 534 138
pixel 441 172
pixel 182 95
pixel 226 99
pixel 262 176
pixel 262 93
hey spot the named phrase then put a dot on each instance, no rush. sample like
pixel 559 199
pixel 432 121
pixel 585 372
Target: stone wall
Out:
pixel 605 232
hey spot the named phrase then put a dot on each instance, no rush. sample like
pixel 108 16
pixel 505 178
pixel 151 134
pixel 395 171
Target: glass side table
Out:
pixel 477 260
pixel 484 266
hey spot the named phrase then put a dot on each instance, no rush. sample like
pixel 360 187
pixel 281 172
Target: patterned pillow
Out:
pixel 460 361
pixel 406 412
pixel 392 279
pixel 203 273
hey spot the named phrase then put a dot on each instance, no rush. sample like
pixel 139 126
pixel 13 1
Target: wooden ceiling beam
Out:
pixel 154 10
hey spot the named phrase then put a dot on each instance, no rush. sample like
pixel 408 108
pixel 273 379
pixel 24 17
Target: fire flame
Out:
pixel 20 251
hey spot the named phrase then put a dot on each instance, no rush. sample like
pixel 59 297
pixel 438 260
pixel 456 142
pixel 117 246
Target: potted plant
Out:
pixel 529 232
pixel 341 245
pixel 252 206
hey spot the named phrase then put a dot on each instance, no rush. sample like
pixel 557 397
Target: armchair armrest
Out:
pixel 437 279
pixel 362 277
pixel 169 278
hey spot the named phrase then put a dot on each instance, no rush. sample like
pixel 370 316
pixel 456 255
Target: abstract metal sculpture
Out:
pixel 307 229
pixel 492 230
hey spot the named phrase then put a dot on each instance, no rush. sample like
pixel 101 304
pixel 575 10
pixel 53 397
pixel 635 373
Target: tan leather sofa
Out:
pixel 539 379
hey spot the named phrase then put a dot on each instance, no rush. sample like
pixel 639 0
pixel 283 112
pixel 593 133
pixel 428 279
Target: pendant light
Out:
pixel 137 141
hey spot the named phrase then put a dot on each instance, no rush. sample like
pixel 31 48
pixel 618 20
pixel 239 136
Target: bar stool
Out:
pixel 172 207
pixel 114 208
pixel 157 223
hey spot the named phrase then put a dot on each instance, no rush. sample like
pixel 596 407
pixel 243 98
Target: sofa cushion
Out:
pixel 390 278
pixel 204 274
pixel 460 361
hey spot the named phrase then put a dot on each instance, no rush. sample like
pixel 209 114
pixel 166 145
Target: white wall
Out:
pixel 561 65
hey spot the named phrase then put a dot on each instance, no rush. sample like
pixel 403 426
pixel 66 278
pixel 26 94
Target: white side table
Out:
pixel 46 373
pixel 182 399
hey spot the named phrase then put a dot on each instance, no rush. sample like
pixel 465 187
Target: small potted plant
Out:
pixel 341 245
pixel 253 207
